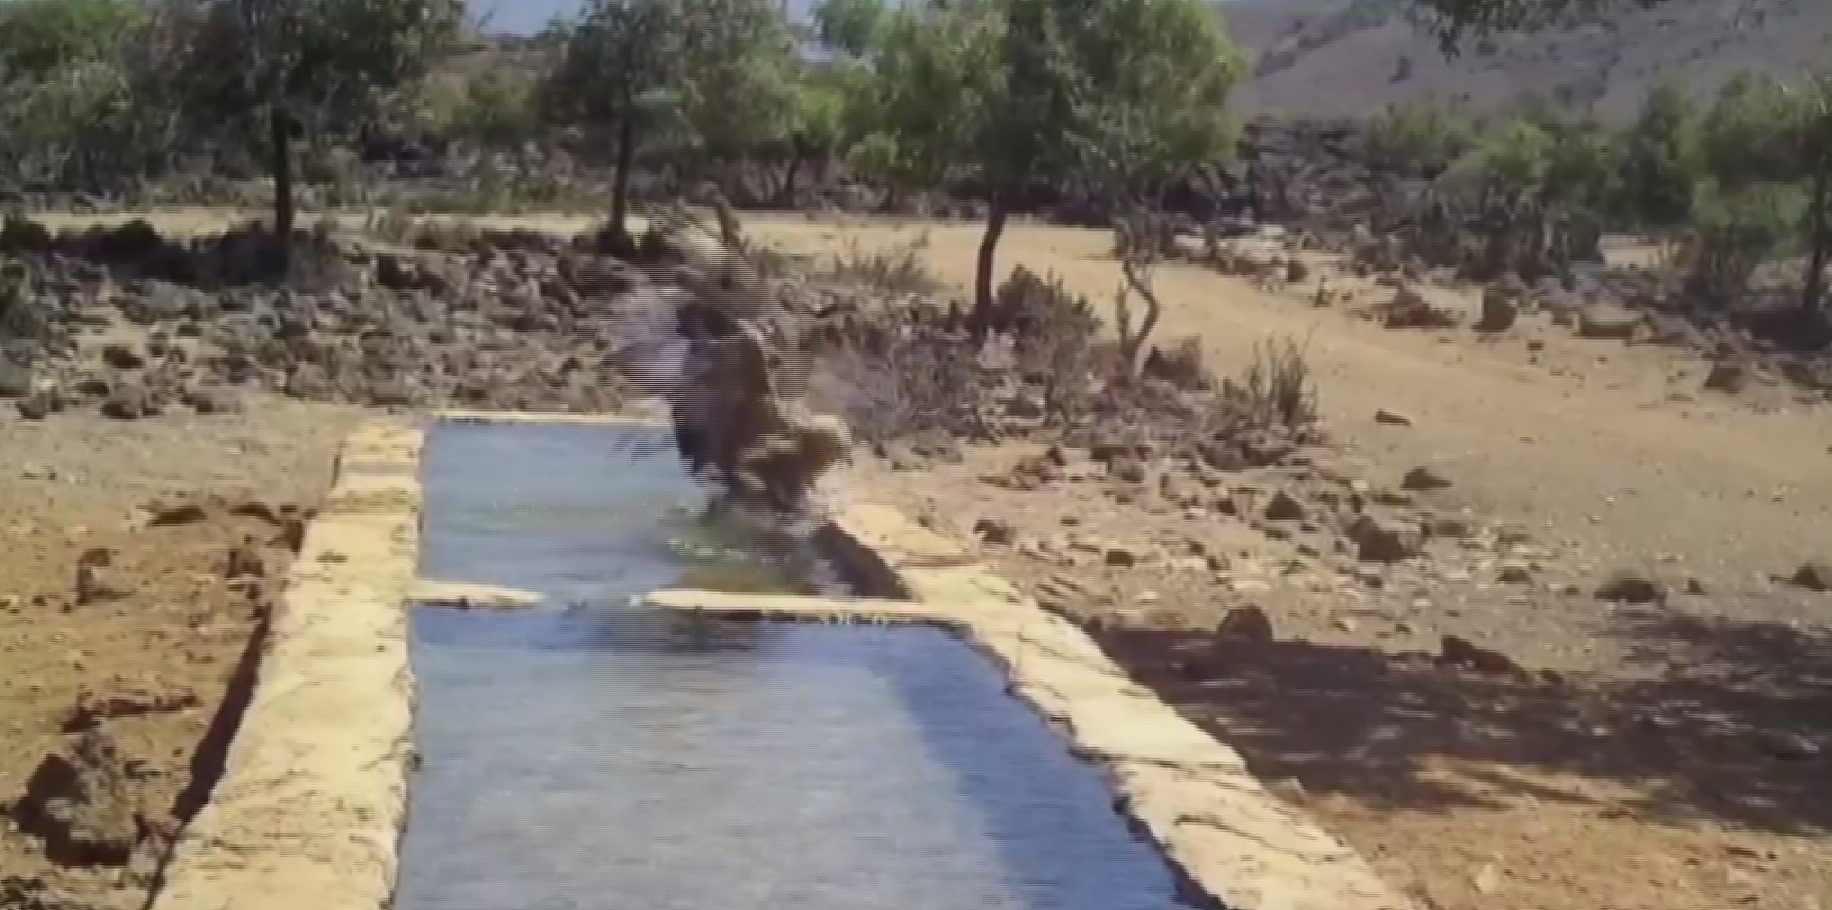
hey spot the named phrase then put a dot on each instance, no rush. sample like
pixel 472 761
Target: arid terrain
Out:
pixel 1469 712
pixel 1344 58
pixel 1586 752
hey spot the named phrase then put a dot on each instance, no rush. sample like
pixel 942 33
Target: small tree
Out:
pixel 1815 138
pixel 1417 139
pixel 735 69
pixel 1162 68
pixel 615 75
pixel 296 65
pixel 1661 164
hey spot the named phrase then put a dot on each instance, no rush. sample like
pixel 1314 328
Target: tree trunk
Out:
pixel 980 323
pixel 620 186
pixel 1819 237
pixel 786 196
pixel 280 165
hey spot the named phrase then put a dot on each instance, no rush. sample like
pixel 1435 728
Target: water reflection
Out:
pixel 598 755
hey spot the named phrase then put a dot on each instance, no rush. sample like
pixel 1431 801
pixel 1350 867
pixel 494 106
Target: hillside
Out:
pixel 1347 57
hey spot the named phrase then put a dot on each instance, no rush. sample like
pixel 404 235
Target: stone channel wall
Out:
pixel 309 812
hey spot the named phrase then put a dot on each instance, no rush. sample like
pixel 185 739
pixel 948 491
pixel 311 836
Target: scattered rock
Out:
pixel 997 532
pixel 129 402
pixel 1789 746
pixel 1460 653
pixel 1729 378
pixel 38 405
pixel 1423 478
pixel 1608 323
pixel 1282 507
pixel 1631 588
pixel 122 357
pixel 1248 623
pixel 83 803
pixel 94 706
pixel 1499 311
pixel 1514 574
pixel 1120 557
pixel 1376 540
pixel 94 577
pixel 1392 418
pixel 1813 576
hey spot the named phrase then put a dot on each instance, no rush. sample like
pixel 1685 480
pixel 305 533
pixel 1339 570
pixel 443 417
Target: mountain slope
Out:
pixel 1348 57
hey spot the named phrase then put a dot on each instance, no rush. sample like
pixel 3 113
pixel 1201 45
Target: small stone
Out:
pixel 995 531
pixel 1631 588
pixel 1499 311
pixel 1392 418
pixel 1789 746
pixel 1423 478
pixel 1460 653
pixel 1248 623
pixel 1378 541
pixel 122 357
pixel 1120 557
pixel 1729 378
pixel 1282 507
pixel 1813 576
pixel 1514 574
pixel 129 402
pixel 38 405
pixel 1608 322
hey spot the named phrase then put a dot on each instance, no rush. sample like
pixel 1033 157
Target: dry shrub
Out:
pixel 909 380
pixel 1277 388
pixel 1183 366
pixel 897 270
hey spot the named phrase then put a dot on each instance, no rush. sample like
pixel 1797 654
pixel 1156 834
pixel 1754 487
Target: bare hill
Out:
pixel 1349 57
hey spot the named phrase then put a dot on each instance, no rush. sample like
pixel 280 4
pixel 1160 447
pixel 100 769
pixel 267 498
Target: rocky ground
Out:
pixel 1529 625
pixel 138 564
pixel 1543 625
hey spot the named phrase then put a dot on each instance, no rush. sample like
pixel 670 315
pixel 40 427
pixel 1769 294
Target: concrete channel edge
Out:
pixel 309 811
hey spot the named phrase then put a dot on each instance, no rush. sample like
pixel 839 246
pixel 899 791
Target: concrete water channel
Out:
pixel 675 719
pixel 594 753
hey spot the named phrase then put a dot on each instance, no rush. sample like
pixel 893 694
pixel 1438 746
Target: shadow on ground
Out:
pixel 1732 722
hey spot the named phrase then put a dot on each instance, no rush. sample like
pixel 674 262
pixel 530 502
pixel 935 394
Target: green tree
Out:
pixel 931 72
pixel 297 65
pixel 40 38
pixel 1814 136
pixel 1140 82
pixel 735 71
pixel 1517 155
pixel 1416 139
pixel 1749 134
pixel 850 26
pixel 615 74
pixel 1660 163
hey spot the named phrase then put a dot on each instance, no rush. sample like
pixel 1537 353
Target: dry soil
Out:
pixel 1661 756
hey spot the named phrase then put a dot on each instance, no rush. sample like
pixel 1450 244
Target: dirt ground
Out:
pixel 1662 756
pixel 1666 755
pixel 120 680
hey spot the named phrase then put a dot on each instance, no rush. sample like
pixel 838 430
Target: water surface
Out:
pixel 590 754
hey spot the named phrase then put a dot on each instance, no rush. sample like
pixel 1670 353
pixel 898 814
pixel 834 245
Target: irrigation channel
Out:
pixel 591 753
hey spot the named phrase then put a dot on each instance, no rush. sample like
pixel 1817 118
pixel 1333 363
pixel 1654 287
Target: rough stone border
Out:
pixel 309 811
pixel 312 801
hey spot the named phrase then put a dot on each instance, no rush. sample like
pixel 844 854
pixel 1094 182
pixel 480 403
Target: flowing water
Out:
pixel 589 754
